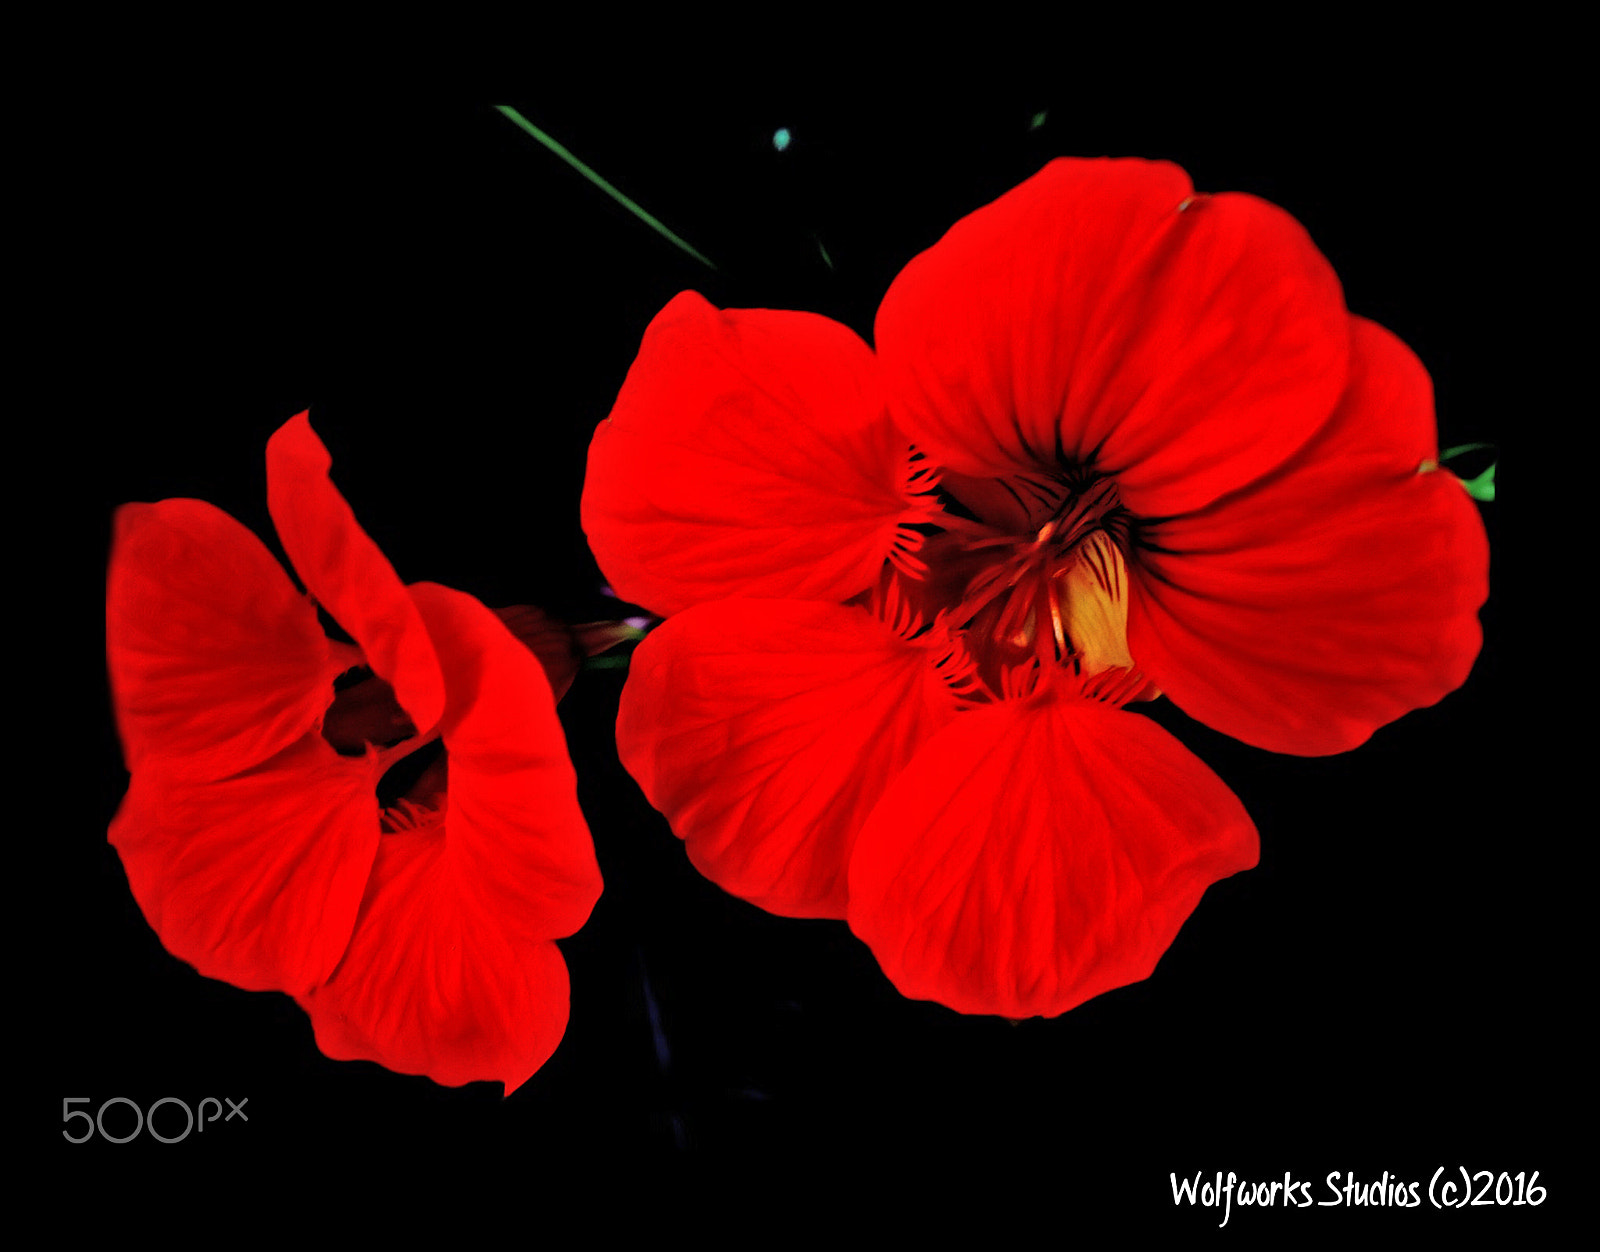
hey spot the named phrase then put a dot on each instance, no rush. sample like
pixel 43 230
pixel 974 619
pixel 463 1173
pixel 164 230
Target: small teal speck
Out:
pixel 780 138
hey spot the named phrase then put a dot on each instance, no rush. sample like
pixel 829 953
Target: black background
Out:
pixel 457 309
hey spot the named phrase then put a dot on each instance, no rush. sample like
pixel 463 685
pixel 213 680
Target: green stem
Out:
pixel 655 225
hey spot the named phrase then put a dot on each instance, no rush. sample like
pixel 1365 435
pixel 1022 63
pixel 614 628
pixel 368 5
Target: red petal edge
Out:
pixel 344 569
pixel 432 985
pixel 1102 312
pixel 748 454
pixel 766 730
pixel 254 879
pixel 1333 597
pixel 1038 853
pixel 450 972
pixel 217 663
pixel 514 823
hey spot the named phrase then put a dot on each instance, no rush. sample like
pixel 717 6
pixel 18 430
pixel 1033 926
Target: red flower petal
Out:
pixel 253 879
pixel 515 828
pixel 990 502
pixel 1328 600
pixel 344 569
pixel 450 972
pixel 1189 344
pixel 1037 853
pixel 217 662
pixel 747 455
pixel 433 983
pixel 766 730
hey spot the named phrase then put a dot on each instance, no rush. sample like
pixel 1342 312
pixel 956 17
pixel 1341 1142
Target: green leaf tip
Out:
pixel 1481 487
pixel 517 119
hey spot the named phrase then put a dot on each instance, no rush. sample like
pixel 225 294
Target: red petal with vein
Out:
pixel 1037 853
pixel 514 822
pixel 254 879
pixel 343 569
pixel 766 730
pixel 514 825
pixel 1084 314
pixel 433 983
pixel 1342 592
pixel 747 454
pixel 451 972
pixel 216 661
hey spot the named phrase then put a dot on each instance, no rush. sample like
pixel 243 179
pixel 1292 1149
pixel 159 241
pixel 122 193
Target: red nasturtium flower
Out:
pixel 419 936
pixel 1117 439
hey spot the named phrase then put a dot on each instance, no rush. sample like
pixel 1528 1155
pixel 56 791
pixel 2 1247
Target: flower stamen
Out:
pixel 1092 596
pixel 1068 572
